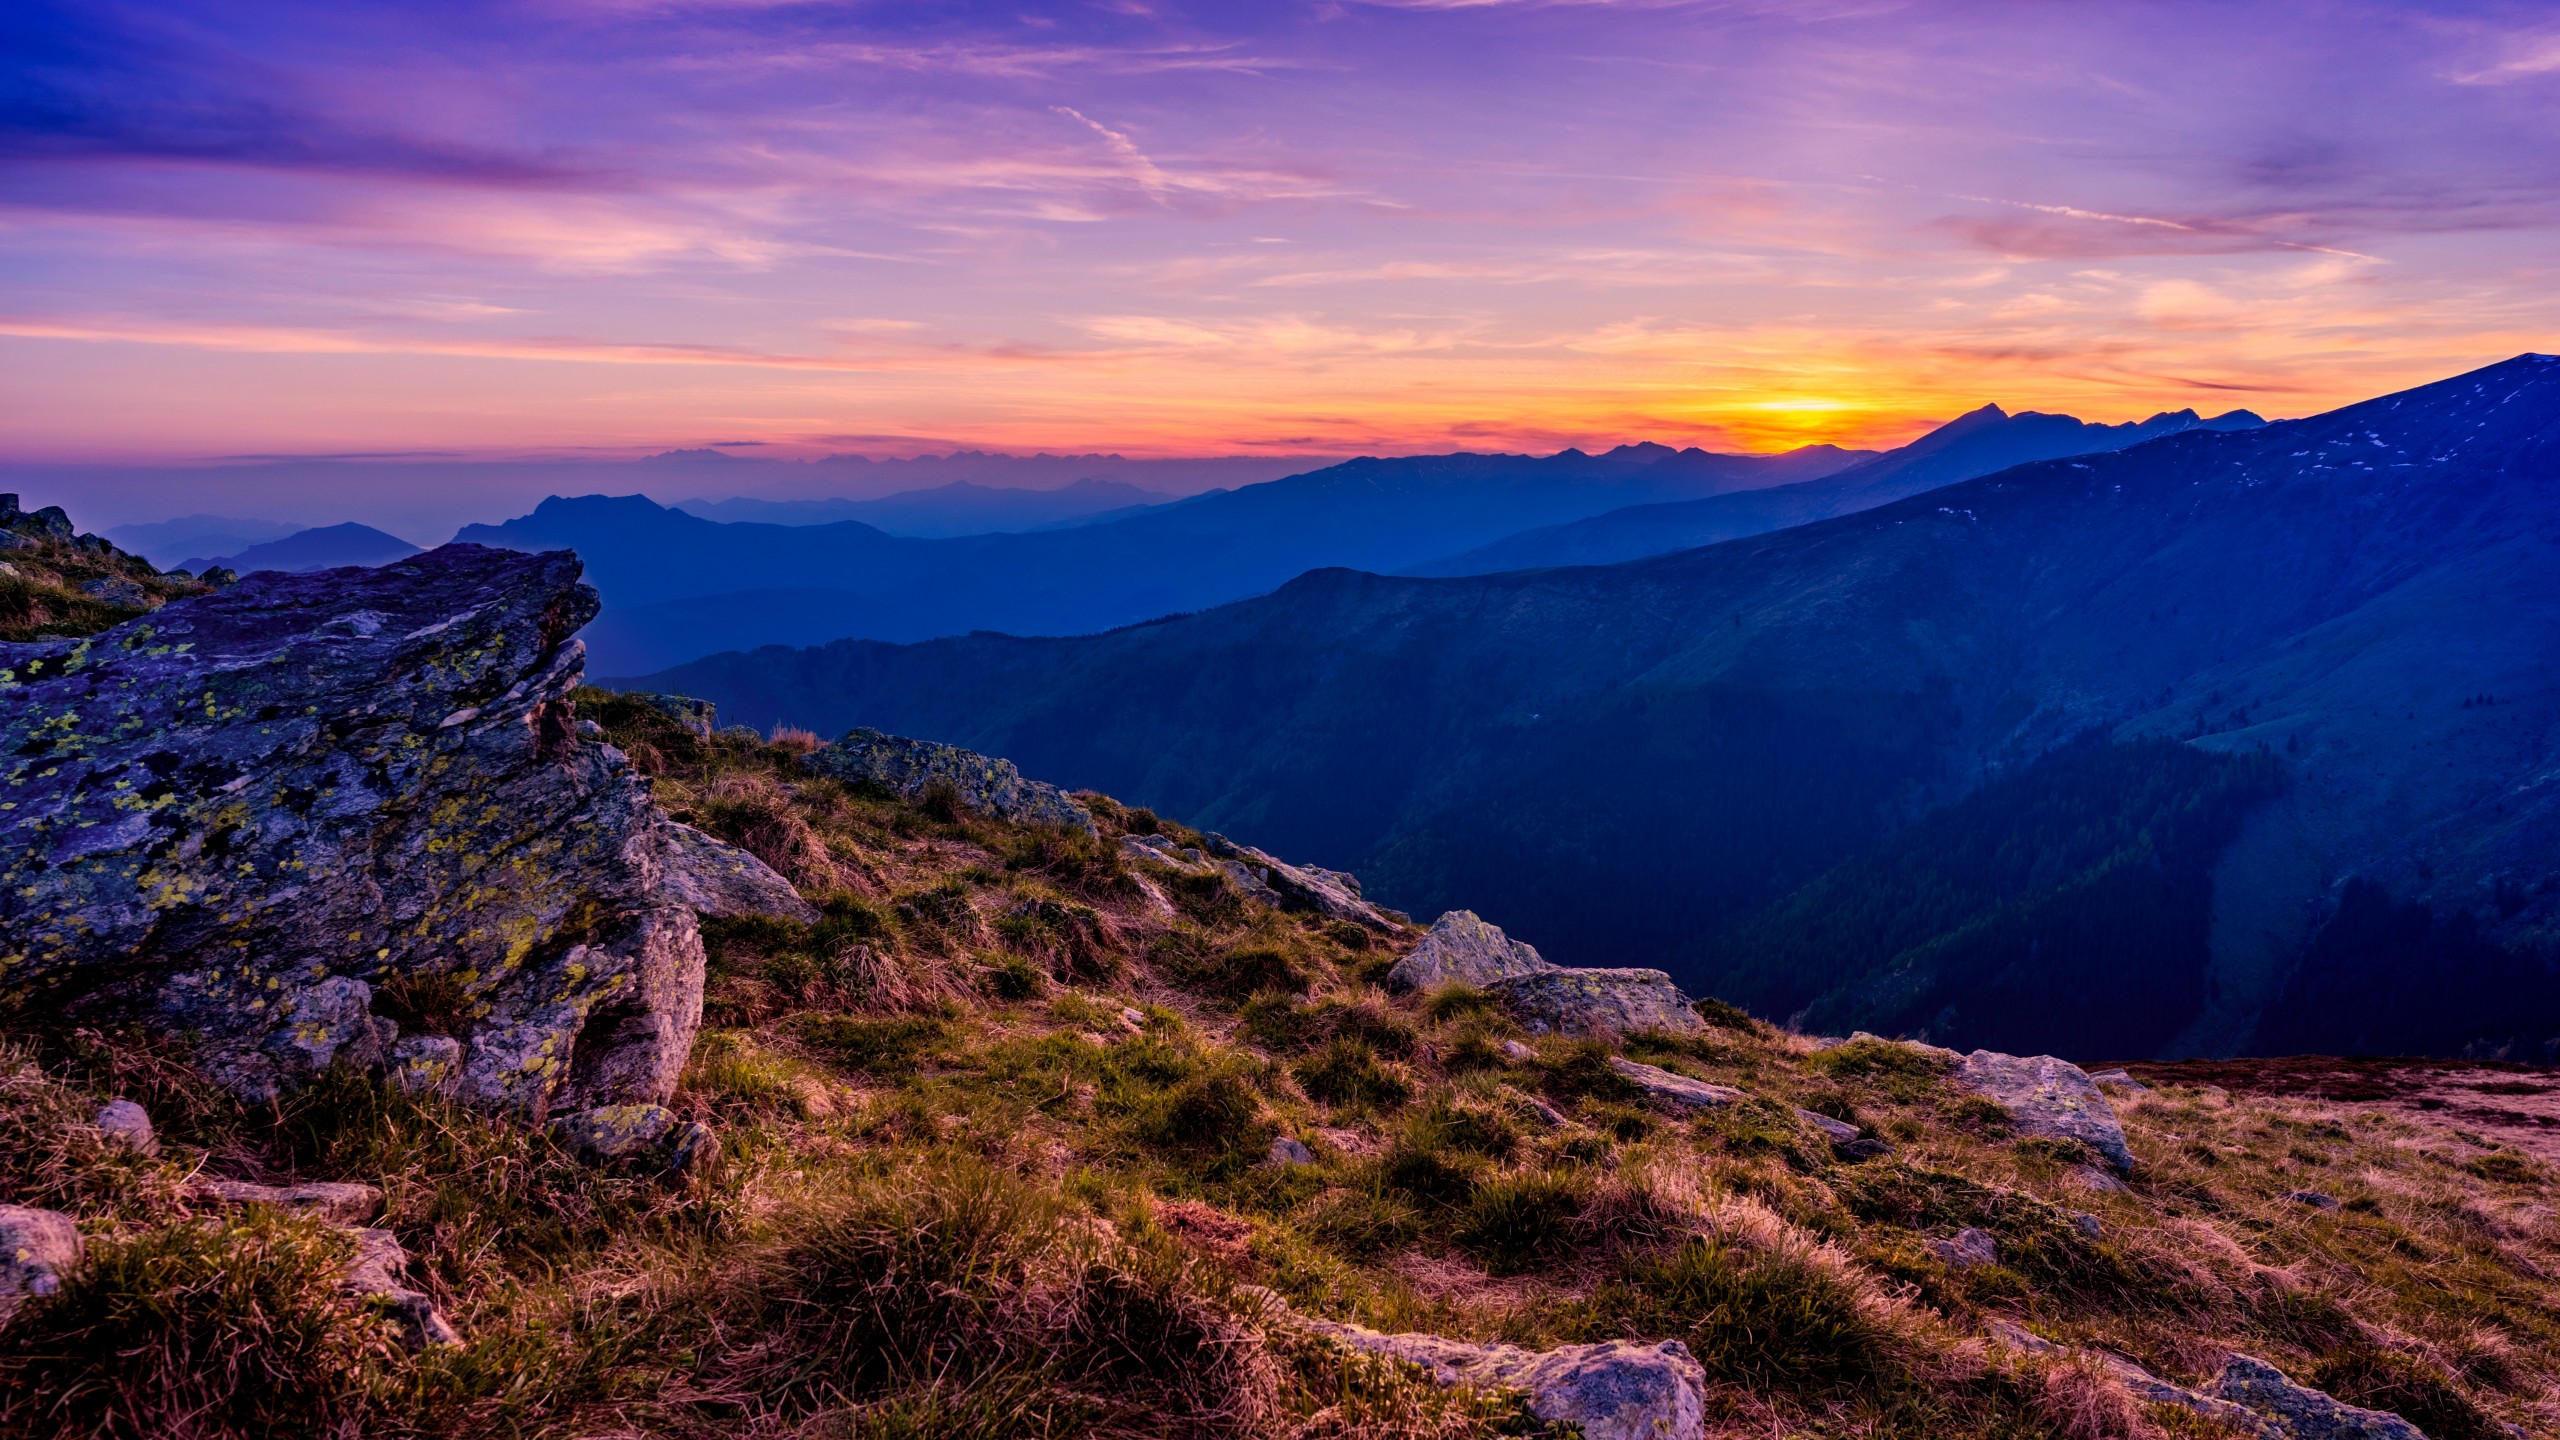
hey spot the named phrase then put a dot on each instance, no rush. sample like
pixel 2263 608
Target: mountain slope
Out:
pixel 1636 757
pixel 1979 443
pixel 324 548
pixel 962 507
pixel 676 586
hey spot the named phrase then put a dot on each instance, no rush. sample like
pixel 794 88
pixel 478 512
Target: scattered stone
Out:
pixel 1517 1053
pixel 652 1134
pixel 2121 1080
pixel 695 716
pixel 2049 1099
pixel 427 1065
pixel 1865 1147
pixel 1547 1115
pixel 1160 850
pixel 725 882
pixel 2312 1198
pixel 2145 1386
pixel 1678 1091
pixel 2305 1413
pixel 129 1125
pixel 1133 1019
pixel 1596 1002
pixel 338 1202
pixel 1967 1249
pixel 2090 1177
pixel 2087 1224
pixel 912 769
pixel 375 1274
pixel 1286 1152
pixel 39 1249
pixel 1615 1390
pixel 1838 1132
pixel 1466 949
pixel 1329 893
pixel 236 816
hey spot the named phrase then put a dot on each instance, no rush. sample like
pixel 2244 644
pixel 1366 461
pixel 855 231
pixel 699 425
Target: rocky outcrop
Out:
pixel 292 818
pixel 914 769
pixel 2304 1413
pixel 1464 949
pixel 1616 1390
pixel 39 1249
pixel 2049 1099
pixel 1330 893
pixel 694 717
pixel 1596 1002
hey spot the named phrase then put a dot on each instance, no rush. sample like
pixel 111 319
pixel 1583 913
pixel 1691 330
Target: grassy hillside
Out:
pixel 53 582
pixel 995 1136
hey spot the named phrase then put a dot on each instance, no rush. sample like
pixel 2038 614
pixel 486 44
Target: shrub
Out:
pixel 1473 1128
pixel 1347 1073
pixel 207 1329
pixel 1364 1222
pixel 1514 1221
pixel 1213 1115
pixel 1722 1016
pixel 1765 1320
pixel 1274 1020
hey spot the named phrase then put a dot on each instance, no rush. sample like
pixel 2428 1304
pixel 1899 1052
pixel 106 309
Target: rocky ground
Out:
pixel 1039 1125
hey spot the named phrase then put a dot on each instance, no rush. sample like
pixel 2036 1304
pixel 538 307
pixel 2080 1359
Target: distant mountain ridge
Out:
pixel 1979 442
pixel 962 507
pixel 676 586
pixel 1639 758
pixel 326 547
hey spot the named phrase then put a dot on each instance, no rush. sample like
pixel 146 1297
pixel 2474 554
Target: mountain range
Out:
pixel 962 507
pixel 325 547
pixel 2230 738
pixel 676 586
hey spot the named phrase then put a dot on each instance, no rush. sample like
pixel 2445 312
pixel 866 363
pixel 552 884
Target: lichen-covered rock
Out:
pixel 1596 1002
pixel 913 769
pixel 1677 1091
pixel 1967 1249
pixel 1286 1152
pixel 128 1125
pixel 376 1275
pixel 427 1065
pixel 1310 888
pixel 241 817
pixel 695 716
pixel 39 1249
pixel 650 1134
pixel 1464 948
pixel 338 1202
pixel 2049 1099
pixel 2144 1386
pixel 2304 1413
pixel 1615 1390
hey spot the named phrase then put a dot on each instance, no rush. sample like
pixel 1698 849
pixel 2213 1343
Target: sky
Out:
pixel 569 228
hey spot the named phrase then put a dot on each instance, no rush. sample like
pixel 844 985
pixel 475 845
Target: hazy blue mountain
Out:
pixel 1651 762
pixel 960 508
pixel 167 542
pixel 324 548
pixel 1978 443
pixel 676 586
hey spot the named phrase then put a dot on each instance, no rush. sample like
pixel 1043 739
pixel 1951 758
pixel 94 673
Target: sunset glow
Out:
pixel 615 226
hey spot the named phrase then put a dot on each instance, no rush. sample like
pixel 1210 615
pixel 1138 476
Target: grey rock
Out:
pixel 39 1250
pixel 650 1134
pixel 911 769
pixel 1160 850
pixel 1547 1115
pixel 338 1202
pixel 1464 948
pixel 1838 1132
pixel 129 1125
pixel 695 716
pixel 118 591
pixel 725 882
pixel 2121 1080
pixel 1678 1091
pixel 2087 1224
pixel 2145 1386
pixel 2090 1177
pixel 1615 1390
pixel 427 1065
pixel 1596 1002
pixel 2312 1198
pixel 1966 1249
pixel 376 1274
pixel 2304 1413
pixel 235 817
pixel 1517 1053
pixel 1329 893
pixel 739 734
pixel 2049 1099
pixel 1286 1151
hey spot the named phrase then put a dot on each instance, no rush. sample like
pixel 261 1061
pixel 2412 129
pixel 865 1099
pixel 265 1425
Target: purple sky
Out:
pixel 610 226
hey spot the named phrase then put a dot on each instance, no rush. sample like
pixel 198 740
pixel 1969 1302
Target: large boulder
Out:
pixel 913 769
pixel 288 818
pixel 2049 1099
pixel 1465 949
pixel 1596 1002
pixel 1615 1390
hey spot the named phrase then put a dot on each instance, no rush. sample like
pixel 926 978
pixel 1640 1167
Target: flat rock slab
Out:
pixel 1617 1390
pixel 1463 948
pixel 2049 1099
pixel 39 1250
pixel 1596 1002
pixel 1678 1091
pixel 376 1275
pixel 2305 1413
pixel 340 1203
